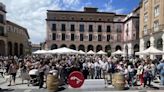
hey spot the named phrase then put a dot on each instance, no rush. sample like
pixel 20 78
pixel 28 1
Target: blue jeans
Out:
pixel 162 78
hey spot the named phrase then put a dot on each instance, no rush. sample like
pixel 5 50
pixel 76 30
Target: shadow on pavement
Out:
pixel 6 90
pixel 154 87
pixel 61 88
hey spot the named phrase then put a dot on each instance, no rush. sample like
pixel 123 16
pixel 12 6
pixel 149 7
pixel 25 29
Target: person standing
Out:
pixel 160 67
pixel 42 68
pixel 12 71
pixel 140 73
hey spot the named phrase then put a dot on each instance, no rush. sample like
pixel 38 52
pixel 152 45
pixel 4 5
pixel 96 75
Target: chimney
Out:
pixel 90 9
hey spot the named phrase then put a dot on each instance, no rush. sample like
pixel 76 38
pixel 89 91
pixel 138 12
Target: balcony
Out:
pixel 146 33
pixel 158 29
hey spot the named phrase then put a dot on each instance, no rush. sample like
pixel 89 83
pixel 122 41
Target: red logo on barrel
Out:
pixel 76 79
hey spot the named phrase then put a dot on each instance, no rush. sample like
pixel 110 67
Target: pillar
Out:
pixel 163 45
pixel 141 46
pixel 151 44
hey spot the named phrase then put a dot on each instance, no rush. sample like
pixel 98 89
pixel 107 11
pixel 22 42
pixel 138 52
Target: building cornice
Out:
pixel 85 21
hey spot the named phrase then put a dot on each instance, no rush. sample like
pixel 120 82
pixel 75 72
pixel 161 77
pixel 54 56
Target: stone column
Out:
pixel 163 45
pixel 151 44
pixel 141 46
pixel 6 48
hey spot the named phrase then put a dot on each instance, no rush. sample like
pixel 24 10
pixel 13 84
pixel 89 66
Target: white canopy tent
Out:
pixel 101 52
pixel 63 50
pixel 150 51
pixel 40 52
pixel 81 52
pixel 118 52
pixel 91 52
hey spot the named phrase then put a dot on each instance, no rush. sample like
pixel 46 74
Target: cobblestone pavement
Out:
pixel 19 87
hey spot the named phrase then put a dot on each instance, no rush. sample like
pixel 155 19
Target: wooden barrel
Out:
pixel 119 81
pixel 52 83
pixel 113 80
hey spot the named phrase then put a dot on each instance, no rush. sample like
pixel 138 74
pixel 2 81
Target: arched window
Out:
pixel 90 47
pixel 82 47
pixel 107 48
pixel 21 49
pixel 16 49
pixel 72 47
pixel 63 45
pixel 54 46
pixel 10 48
pixel 2 47
pixel 118 47
pixel 98 48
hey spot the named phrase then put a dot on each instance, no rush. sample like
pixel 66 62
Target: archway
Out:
pixel 136 48
pixel 90 47
pixel 72 47
pixel 118 47
pixel 147 45
pixel 98 48
pixel 82 47
pixel 63 45
pixel 126 50
pixel 10 48
pixel 107 48
pixel 159 44
pixel 2 48
pixel 16 49
pixel 54 46
pixel 21 49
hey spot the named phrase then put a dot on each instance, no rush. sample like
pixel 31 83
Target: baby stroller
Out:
pixel 34 77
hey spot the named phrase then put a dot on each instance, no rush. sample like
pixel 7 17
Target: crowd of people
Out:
pixel 135 70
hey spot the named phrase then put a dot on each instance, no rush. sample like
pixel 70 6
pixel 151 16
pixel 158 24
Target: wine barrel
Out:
pixel 52 83
pixel 113 80
pixel 119 81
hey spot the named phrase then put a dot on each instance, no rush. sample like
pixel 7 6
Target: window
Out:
pixel 90 28
pixel 145 1
pixel 118 28
pixel 81 18
pixel 54 36
pixel 90 37
pixel 72 27
pixel 53 27
pixel 156 25
pixel 156 11
pixel 108 37
pixel 1 19
pixel 81 27
pixel 72 37
pixel 108 28
pixel 63 36
pixel 145 17
pixel 99 28
pixel 63 27
pixel 1 31
pixel 99 19
pixel 145 29
pixel 145 4
pixel 72 18
pixel 127 30
pixel 99 38
pixel 81 37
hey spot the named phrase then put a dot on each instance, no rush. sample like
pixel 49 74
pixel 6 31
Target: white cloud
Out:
pixel 108 7
pixel 31 14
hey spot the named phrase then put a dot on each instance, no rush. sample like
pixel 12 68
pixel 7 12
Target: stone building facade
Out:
pixel 13 37
pixel 131 32
pixel 152 24
pixel 85 30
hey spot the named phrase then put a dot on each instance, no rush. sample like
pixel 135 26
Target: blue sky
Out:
pixel 31 14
